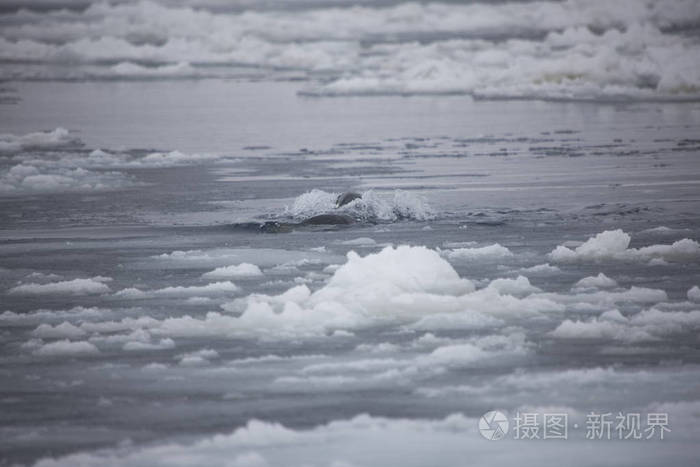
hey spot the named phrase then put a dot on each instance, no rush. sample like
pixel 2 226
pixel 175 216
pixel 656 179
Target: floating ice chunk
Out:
pixel 125 324
pixel 58 138
pixel 60 331
pixel 90 286
pixel 166 343
pixel 544 268
pixel 66 348
pixel 613 315
pixel 43 316
pixel 361 241
pixel 198 358
pixel 607 298
pixel 133 70
pixel 648 325
pixel 663 230
pixel 518 287
pixel 453 321
pixel 694 294
pixel 395 270
pixel 603 245
pixel 685 250
pixel 487 253
pixel 43 276
pixel 613 245
pixel 596 329
pixel 174 159
pixel 35 178
pixel 239 270
pixel 390 286
pixel 261 257
pixel 601 281
pixel 214 288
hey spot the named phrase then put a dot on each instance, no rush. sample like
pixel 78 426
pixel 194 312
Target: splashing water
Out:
pixel 371 207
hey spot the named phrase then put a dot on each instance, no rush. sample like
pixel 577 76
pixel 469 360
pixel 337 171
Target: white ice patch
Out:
pixel 234 271
pixel 369 441
pixel 10 318
pixel 647 325
pixel 220 257
pixel 389 372
pixel 601 281
pixel 361 241
pixel 139 346
pixel 403 285
pixel 369 207
pixel 215 288
pixel 64 330
pixel 58 138
pixel 663 230
pixel 543 269
pixel 89 286
pixel 551 50
pixel 32 178
pixel 66 348
pixel 614 245
pixel 199 358
pixel 134 70
pixel 694 294
pixel 608 298
pixel 50 162
pixel 518 287
pixel 493 252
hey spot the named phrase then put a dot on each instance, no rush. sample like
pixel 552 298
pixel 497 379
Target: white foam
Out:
pixel 369 207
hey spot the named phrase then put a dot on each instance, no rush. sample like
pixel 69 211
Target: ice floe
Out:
pixel 94 285
pixel 614 245
pixel 234 271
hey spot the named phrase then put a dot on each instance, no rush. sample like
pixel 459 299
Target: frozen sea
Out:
pixel 526 239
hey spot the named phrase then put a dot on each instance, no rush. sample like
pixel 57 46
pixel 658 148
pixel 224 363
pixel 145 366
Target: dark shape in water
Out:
pixel 329 219
pixel 347 197
pixel 320 220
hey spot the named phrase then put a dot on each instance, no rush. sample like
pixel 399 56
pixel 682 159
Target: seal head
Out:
pixel 346 198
